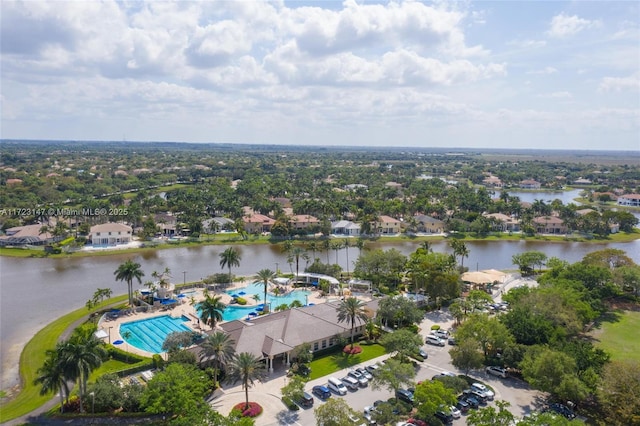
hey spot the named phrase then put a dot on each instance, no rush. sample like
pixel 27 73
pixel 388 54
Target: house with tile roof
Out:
pixel 549 225
pixel 530 184
pixel 300 222
pixel 345 227
pixel 503 222
pixel 632 200
pixel 429 224
pixel 257 223
pixel 387 225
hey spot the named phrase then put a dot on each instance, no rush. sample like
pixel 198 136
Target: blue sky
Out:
pixel 496 74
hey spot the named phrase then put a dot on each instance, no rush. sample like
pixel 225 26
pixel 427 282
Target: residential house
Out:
pixel 111 234
pixel 167 223
pixel 387 225
pixel 355 186
pixel 493 182
pixel 429 224
pixel 303 221
pixel 549 225
pixel 582 181
pixel 219 223
pixel 274 337
pixel 345 227
pixel 529 184
pixel 503 222
pixel 27 234
pixel 632 200
pixel 257 223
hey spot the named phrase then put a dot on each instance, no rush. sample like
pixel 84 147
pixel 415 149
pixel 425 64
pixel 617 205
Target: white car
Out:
pixel 455 412
pixel 434 340
pixel 483 389
pixel 497 371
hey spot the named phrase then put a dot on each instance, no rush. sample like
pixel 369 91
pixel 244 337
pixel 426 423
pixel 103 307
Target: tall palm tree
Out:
pixel 211 310
pixel 350 310
pixel 217 349
pixel 313 247
pixel 347 245
pixel 230 257
pixel 266 276
pixel 52 377
pixel 128 271
pixel 246 368
pixel 459 249
pixel 336 245
pixel 326 246
pixel 79 356
pixel 294 255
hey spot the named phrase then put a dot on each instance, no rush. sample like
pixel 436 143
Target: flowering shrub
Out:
pixel 352 351
pixel 254 409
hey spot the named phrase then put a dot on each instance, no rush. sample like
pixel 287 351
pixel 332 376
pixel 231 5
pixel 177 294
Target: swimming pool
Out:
pixel 234 312
pixel 149 334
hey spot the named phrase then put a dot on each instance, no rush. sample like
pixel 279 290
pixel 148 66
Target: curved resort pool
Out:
pixel 149 334
pixel 236 312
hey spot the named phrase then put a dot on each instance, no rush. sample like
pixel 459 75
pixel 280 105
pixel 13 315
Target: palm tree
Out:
pixel 129 271
pixel 79 356
pixel 313 247
pixel 326 246
pixel 459 249
pixel 266 276
pixel 336 245
pixel 346 246
pixel 211 309
pixel 294 255
pixel 52 377
pixel 246 368
pixel 350 310
pixel 217 348
pixel 230 257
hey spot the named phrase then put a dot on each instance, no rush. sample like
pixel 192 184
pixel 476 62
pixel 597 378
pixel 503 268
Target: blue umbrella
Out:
pixel 253 314
pixel 234 295
pixel 118 342
pixel 311 304
pixel 242 293
pixel 182 295
pixel 260 309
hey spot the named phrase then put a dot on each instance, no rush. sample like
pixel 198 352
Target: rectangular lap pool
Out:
pixel 149 334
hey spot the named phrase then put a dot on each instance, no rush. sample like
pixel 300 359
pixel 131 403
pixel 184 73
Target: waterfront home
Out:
pixel 387 225
pixel 549 225
pixel 303 221
pixel 529 184
pixel 257 223
pixel 632 200
pixel 504 223
pixel 36 234
pixel 110 234
pixel 429 224
pixel 345 227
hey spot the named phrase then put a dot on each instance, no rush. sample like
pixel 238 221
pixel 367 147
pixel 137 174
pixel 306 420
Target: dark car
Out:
pixel 321 392
pixel 482 398
pixel 563 410
pixel 445 418
pixel 471 400
pixel 463 406
pixel 306 401
pixel 404 395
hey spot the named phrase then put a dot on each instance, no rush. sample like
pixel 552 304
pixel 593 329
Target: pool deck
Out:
pixel 183 308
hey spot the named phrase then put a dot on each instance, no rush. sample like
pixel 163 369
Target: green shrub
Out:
pixel 241 301
pixel 290 404
pixel 435 327
pixel 120 355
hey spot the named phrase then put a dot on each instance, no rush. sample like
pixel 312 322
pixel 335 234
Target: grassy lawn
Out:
pixel 32 358
pixel 331 363
pixel 619 335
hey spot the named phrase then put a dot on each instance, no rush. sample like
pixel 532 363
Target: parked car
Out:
pixel 562 410
pixel 321 392
pixel 367 375
pixel 488 393
pixel 305 401
pixel 479 396
pixel 351 383
pixel 497 371
pixel 470 399
pixel 452 341
pixel 444 417
pixel 423 353
pixel 463 406
pixel 336 386
pixel 362 381
pixel 373 368
pixel 417 422
pixel 443 334
pixel 434 340
pixel 455 412
pixel 405 395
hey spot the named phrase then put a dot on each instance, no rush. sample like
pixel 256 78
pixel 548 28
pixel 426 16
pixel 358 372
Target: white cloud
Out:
pixel 563 25
pixel 618 84
pixel 556 95
pixel 545 70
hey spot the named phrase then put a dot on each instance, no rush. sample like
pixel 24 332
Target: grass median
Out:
pixel 33 357
pixel 618 335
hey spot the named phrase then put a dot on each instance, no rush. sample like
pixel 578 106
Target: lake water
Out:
pixel 34 292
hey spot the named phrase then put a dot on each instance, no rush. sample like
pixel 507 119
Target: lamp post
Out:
pixel 184 277
pixel 277 267
pixel 93 402
pixel 110 334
